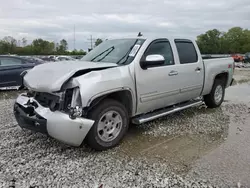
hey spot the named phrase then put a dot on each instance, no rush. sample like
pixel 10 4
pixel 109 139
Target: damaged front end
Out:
pixel 74 103
pixel 55 97
pixel 59 114
pixel 68 101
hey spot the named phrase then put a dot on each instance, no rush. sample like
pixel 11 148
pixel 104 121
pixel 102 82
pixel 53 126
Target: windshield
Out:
pixel 119 51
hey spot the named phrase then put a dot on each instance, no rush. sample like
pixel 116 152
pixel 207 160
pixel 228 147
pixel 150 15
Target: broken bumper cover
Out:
pixel 56 124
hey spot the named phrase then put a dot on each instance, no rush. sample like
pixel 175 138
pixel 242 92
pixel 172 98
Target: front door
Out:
pixel 158 86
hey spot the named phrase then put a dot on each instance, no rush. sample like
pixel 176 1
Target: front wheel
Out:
pixel 216 96
pixel 111 124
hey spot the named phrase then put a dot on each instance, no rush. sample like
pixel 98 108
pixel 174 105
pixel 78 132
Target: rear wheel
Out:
pixel 216 96
pixel 111 124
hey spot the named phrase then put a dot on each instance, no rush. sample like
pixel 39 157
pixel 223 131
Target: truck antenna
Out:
pixel 139 34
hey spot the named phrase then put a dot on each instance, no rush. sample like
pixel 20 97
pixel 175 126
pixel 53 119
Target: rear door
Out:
pixel 10 70
pixel 191 69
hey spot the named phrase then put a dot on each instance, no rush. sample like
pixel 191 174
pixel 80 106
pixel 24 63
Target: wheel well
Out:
pixel 124 97
pixel 223 77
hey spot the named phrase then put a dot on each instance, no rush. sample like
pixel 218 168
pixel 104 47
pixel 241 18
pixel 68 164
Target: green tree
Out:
pixel 224 44
pixel 77 52
pixel 235 40
pixel 62 47
pixel 37 47
pixel 24 42
pixel 40 46
pixel 246 46
pixel 82 52
pixel 8 45
pixel 238 40
pixel 98 41
pixel 210 42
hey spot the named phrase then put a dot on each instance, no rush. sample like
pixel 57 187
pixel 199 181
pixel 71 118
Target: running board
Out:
pixel 154 115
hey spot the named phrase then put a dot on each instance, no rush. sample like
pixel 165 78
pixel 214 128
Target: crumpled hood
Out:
pixel 50 77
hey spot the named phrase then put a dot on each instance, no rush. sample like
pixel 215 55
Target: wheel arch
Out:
pixel 223 76
pixel 123 95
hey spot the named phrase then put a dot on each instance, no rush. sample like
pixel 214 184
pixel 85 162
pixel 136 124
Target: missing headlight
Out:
pixel 76 98
pixel 73 103
pixel 67 99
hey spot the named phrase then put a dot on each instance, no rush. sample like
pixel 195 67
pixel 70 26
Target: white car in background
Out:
pixel 240 65
pixel 65 58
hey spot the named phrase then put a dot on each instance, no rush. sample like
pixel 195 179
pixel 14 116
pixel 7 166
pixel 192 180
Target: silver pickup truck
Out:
pixel 118 83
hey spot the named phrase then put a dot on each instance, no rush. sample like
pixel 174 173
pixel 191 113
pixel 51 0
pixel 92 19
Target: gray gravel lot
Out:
pixel 32 159
pixel 228 164
pixel 162 153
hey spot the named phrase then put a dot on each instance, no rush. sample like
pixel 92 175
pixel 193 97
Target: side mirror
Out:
pixel 153 60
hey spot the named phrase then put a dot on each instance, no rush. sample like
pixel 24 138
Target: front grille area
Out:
pixel 55 102
pixel 46 99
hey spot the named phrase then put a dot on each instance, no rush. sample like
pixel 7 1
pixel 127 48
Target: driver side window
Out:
pixel 161 48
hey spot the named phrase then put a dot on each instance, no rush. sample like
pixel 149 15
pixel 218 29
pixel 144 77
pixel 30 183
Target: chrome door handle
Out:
pixel 172 73
pixel 198 69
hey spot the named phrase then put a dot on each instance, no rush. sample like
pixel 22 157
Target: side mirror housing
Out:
pixel 152 60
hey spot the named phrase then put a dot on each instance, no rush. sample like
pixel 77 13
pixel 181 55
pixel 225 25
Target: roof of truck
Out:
pixel 155 37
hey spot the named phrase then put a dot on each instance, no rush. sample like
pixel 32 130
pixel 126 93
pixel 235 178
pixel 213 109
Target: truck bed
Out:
pixel 223 65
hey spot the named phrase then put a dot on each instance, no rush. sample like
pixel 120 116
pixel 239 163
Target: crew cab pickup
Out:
pixel 119 83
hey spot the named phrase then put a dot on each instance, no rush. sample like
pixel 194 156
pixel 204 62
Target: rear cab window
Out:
pixel 186 51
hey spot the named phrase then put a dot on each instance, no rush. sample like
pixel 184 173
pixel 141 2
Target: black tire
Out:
pixel 93 140
pixel 210 98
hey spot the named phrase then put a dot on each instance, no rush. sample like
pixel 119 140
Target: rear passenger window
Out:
pixel 186 51
pixel 161 48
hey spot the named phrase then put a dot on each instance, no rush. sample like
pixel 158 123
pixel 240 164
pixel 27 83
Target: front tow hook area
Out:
pixel 28 119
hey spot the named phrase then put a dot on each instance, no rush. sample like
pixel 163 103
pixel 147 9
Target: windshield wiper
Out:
pixel 112 47
pixel 106 54
pixel 127 54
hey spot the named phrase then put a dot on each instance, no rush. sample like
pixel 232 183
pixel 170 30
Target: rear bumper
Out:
pixel 56 124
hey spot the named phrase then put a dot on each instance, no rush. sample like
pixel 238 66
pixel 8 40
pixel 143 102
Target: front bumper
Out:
pixel 56 124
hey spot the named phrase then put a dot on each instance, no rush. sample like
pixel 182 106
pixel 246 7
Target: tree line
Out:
pixel 235 40
pixel 9 45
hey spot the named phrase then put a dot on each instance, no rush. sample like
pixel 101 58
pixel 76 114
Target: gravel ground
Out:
pixel 241 75
pixel 190 121
pixel 227 165
pixel 31 159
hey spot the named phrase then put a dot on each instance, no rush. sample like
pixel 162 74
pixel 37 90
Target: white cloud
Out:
pixel 55 19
